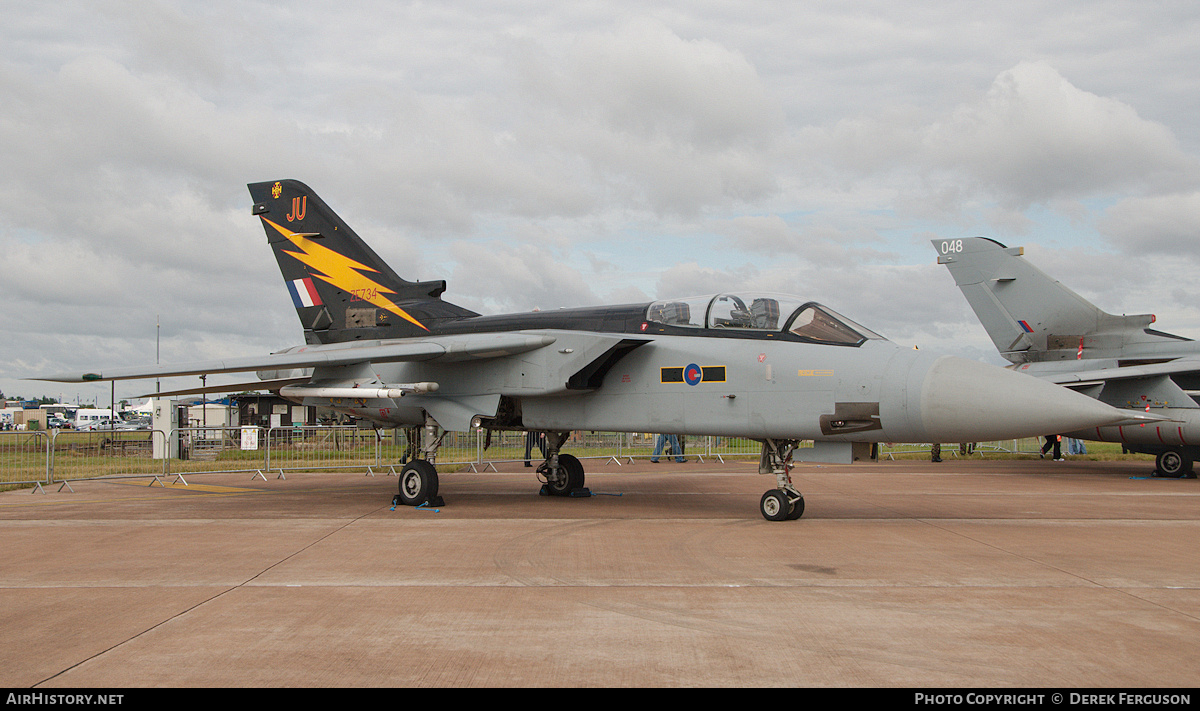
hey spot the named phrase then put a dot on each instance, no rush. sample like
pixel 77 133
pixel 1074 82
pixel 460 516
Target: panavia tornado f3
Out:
pixel 1050 332
pixel 774 368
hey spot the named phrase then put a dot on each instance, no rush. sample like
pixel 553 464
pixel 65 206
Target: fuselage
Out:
pixel 743 367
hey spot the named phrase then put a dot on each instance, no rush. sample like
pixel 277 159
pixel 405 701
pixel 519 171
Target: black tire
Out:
pixel 797 509
pixel 774 505
pixel 418 482
pixel 1173 464
pixel 570 465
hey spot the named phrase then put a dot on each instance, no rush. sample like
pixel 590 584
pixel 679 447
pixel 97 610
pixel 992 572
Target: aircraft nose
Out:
pixel 966 401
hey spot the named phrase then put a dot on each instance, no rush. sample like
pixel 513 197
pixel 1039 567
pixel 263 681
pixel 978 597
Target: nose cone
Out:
pixel 967 401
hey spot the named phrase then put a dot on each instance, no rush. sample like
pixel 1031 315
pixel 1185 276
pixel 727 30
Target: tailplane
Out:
pixel 1030 316
pixel 342 290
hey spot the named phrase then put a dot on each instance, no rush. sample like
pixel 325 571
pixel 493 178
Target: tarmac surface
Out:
pixel 900 574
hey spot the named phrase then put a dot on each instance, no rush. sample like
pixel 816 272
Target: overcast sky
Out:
pixel 550 154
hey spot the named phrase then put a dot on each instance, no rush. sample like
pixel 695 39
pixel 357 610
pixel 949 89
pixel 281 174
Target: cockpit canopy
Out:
pixel 807 320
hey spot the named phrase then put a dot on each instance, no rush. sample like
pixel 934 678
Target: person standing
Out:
pixel 534 438
pixel 1055 442
pixel 666 440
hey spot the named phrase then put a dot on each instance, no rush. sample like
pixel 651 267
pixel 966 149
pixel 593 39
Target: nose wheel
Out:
pixel 781 505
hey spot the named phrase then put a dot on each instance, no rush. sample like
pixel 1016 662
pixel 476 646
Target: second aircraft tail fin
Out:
pixel 1029 315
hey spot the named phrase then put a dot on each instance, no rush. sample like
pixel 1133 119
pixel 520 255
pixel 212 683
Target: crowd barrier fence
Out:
pixel 42 458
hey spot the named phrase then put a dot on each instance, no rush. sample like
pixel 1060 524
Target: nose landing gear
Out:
pixel 784 503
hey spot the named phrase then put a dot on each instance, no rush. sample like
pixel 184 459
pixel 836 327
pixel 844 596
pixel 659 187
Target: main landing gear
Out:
pixel 560 474
pixel 784 503
pixel 1174 464
pixel 419 477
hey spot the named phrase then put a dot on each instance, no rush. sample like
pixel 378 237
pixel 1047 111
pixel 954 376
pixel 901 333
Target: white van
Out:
pixel 94 419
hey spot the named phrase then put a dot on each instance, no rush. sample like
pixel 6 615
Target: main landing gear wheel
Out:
pixel 570 479
pixel 1173 464
pixel 418 483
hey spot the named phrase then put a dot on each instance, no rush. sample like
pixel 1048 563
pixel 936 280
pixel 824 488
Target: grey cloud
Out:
pixel 669 123
pixel 501 278
pixel 1035 137
pixel 1032 139
pixel 1164 225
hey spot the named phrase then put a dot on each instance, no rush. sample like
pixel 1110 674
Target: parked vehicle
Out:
pixel 95 419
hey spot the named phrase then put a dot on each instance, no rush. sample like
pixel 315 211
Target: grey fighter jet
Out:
pixel 1048 331
pixel 778 369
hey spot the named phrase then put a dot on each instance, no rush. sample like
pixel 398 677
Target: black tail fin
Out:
pixel 342 290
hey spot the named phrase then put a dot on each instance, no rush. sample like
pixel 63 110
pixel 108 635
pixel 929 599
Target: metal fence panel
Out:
pixel 457 447
pixel 321 447
pixel 24 457
pixel 202 450
pixel 103 453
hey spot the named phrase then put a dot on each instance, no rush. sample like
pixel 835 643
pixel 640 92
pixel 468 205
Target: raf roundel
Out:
pixel 692 374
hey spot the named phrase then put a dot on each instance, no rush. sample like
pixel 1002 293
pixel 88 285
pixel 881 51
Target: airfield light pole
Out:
pixel 204 403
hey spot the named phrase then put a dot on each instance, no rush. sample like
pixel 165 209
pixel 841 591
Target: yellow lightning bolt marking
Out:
pixel 342 272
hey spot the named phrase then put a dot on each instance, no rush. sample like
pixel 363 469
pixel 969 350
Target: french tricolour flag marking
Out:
pixel 304 293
